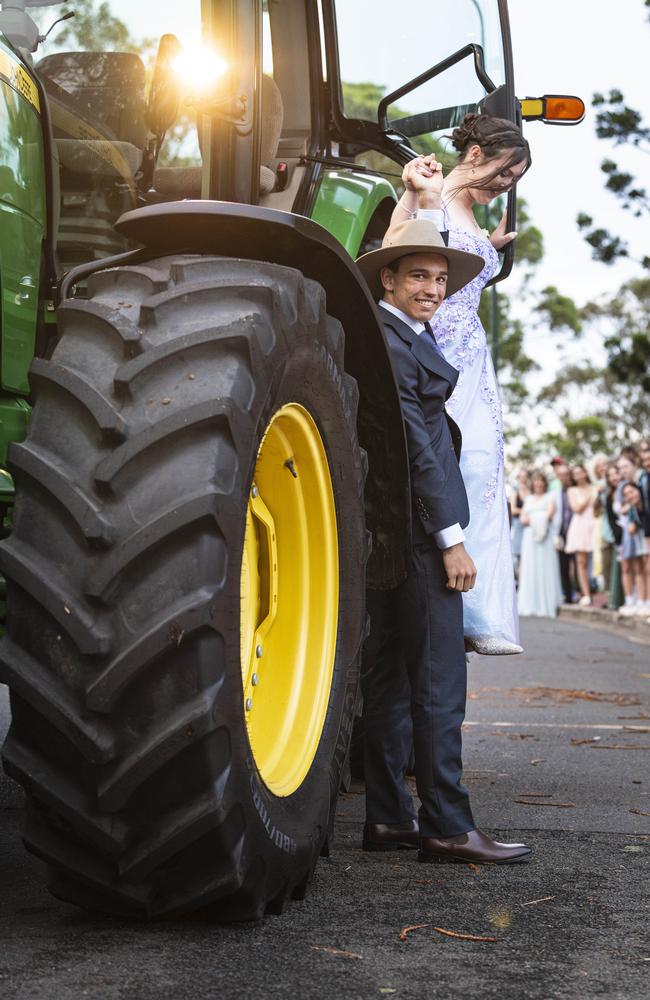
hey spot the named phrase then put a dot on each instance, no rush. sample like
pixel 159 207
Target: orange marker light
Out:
pixel 564 109
pixel 555 109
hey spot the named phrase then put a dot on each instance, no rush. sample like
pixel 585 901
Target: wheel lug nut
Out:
pixel 255 680
pixel 249 704
pixel 258 651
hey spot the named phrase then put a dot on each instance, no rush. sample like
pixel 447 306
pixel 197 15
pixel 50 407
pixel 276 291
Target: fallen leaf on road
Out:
pixel 463 937
pixel 645 676
pixel 474 868
pixel 643 715
pixel 572 694
pixel 534 902
pixel 633 849
pixel 639 812
pixel 539 760
pixel 536 795
pixel 405 931
pixel 592 739
pixel 620 746
pixel 636 729
pixel 514 736
pixel 556 805
pixel 335 951
pixel 424 881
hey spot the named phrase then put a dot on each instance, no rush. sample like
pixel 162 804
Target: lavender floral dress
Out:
pixel 490 608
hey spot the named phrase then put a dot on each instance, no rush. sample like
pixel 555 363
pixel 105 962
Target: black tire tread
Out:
pixel 84 787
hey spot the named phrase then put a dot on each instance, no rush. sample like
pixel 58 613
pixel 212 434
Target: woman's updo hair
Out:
pixel 495 137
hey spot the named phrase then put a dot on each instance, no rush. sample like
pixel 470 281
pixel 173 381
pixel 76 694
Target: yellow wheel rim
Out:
pixel 289 599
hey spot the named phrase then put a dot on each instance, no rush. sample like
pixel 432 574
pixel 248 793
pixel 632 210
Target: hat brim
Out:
pixel 463 267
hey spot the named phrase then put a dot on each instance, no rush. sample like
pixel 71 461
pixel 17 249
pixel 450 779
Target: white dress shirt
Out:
pixel 454 534
pixel 435 215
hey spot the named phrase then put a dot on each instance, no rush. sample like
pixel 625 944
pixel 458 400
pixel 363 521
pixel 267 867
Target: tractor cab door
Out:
pixel 403 78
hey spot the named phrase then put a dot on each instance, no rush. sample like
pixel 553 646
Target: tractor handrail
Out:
pixel 479 65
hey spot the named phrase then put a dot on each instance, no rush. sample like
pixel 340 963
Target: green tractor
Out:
pixel 199 414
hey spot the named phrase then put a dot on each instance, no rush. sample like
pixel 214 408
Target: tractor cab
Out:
pixel 275 104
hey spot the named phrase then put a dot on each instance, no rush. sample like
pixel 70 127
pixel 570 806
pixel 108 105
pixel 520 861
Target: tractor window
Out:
pixel 125 134
pixel 401 43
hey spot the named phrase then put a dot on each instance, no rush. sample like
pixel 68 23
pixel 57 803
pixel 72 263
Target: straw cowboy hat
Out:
pixel 418 236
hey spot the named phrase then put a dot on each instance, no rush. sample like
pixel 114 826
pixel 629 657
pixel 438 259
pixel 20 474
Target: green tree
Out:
pixel 617 392
pixel 361 100
pixel 578 441
pixel 95 29
pixel 505 334
pixel 621 126
pixel 559 311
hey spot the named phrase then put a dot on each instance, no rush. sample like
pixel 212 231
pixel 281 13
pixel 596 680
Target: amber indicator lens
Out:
pixel 569 109
pixel 556 109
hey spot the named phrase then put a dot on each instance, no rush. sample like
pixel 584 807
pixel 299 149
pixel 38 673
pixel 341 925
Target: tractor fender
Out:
pixel 254 233
pixel 346 203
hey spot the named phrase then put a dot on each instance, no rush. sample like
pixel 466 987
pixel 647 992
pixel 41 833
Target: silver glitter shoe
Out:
pixel 488 645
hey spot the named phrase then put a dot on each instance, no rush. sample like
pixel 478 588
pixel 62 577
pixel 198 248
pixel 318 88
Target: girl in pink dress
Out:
pixel 580 536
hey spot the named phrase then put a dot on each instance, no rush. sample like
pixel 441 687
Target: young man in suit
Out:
pixel 415 692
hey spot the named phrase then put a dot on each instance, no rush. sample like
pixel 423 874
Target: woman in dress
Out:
pixel 611 530
pixel 633 550
pixel 492 156
pixel 540 592
pixel 580 536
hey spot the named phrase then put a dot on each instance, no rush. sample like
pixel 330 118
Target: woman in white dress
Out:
pixel 492 156
pixel 540 592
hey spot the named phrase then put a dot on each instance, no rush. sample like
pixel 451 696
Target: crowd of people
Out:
pixel 581 529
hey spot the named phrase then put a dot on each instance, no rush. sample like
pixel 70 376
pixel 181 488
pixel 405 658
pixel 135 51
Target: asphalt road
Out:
pixel 571 924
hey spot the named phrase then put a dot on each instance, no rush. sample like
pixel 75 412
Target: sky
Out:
pixel 579 47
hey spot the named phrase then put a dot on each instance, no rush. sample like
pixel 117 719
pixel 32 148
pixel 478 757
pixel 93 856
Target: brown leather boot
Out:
pixel 391 836
pixel 473 846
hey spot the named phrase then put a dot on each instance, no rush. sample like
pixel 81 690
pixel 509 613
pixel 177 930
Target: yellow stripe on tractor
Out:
pixel 17 77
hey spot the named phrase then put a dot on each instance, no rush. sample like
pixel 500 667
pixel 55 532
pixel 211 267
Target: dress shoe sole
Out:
pixel 382 848
pixel 427 857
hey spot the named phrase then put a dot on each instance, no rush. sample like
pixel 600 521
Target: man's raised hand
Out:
pixel 424 176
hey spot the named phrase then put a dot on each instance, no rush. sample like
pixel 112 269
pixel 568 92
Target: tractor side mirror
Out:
pixel 164 102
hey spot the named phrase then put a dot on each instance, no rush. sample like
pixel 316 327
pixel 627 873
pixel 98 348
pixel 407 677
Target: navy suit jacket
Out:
pixel 425 382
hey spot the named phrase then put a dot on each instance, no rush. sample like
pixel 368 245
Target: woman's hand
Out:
pixel 632 528
pixel 424 176
pixel 500 238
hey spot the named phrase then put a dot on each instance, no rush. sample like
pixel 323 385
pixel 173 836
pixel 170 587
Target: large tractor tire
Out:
pixel 186 590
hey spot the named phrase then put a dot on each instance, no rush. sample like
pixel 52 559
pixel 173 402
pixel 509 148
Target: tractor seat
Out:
pixel 106 89
pixel 272 119
pixel 185 182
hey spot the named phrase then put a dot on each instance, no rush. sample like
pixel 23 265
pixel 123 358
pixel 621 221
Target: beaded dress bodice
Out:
pixel 489 608
pixel 461 337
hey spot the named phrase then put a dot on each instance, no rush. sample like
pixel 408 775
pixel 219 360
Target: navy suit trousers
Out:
pixel 414 695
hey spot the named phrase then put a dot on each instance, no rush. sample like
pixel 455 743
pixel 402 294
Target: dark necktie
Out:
pixel 432 339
